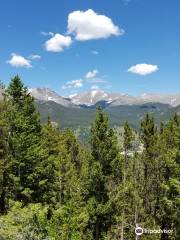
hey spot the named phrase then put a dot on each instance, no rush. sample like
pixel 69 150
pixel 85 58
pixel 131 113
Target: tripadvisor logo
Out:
pixel 139 231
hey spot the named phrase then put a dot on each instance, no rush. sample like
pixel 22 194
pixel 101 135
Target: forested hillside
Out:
pixel 52 187
pixel 83 116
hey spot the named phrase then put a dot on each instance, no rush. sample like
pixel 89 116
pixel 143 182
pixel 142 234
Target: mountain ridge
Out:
pixel 91 98
pixel 68 113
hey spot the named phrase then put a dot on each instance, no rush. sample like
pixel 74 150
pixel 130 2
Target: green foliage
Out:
pixel 105 154
pixel 170 183
pixel 24 222
pixel 54 187
pixel 5 163
pixel 25 148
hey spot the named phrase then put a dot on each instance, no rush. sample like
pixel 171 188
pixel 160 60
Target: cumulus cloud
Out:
pixel 94 87
pixel 57 43
pixel 91 74
pixel 88 25
pixel 94 52
pixel 73 84
pixel 19 61
pixel 143 69
pixel 83 25
pixel 34 57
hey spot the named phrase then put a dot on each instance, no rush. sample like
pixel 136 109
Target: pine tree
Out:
pixel 47 167
pixel 71 190
pixel 149 158
pixel 127 144
pixel 151 166
pixel 5 161
pixel 125 191
pixel 25 147
pixel 104 153
pixel 169 212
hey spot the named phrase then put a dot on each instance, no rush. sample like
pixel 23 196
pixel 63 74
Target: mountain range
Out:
pixel 78 110
pixel 94 97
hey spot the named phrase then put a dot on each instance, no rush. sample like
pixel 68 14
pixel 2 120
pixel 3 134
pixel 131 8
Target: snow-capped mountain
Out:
pixel 115 99
pixel 90 98
pixel 93 97
pixel 46 94
pixel 171 99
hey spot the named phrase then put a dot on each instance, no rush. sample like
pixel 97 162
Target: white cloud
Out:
pixel 47 33
pixel 19 61
pixel 94 52
pixel 143 69
pixel 57 43
pixel 91 74
pixel 90 25
pixel 96 80
pixel 73 84
pixel 35 56
pixel 94 87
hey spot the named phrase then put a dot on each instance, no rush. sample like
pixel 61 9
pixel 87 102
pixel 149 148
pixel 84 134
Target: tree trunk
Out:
pixel 97 230
pixel 122 230
pixel 2 202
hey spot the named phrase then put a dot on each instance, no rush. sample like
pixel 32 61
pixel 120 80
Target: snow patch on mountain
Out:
pixel 45 94
pixel 94 96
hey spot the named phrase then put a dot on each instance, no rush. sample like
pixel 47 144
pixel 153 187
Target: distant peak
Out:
pixel 94 96
pixel 143 95
pixel 72 95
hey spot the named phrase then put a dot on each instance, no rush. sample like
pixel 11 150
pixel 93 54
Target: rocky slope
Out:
pixel 93 97
pixel 45 94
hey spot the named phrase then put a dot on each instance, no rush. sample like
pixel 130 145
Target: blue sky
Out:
pixel 128 46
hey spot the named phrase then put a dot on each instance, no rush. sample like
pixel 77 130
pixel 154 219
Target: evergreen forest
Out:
pixel 55 187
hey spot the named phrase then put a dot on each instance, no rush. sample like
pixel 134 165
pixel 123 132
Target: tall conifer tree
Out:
pixel 105 153
pixel 24 140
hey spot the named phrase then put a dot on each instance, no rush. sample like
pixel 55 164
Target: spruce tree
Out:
pixel 25 147
pixel 124 194
pixel 149 140
pixel 169 212
pixel 151 166
pixel 47 168
pixel 127 145
pixel 5 161
pixel 104 153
